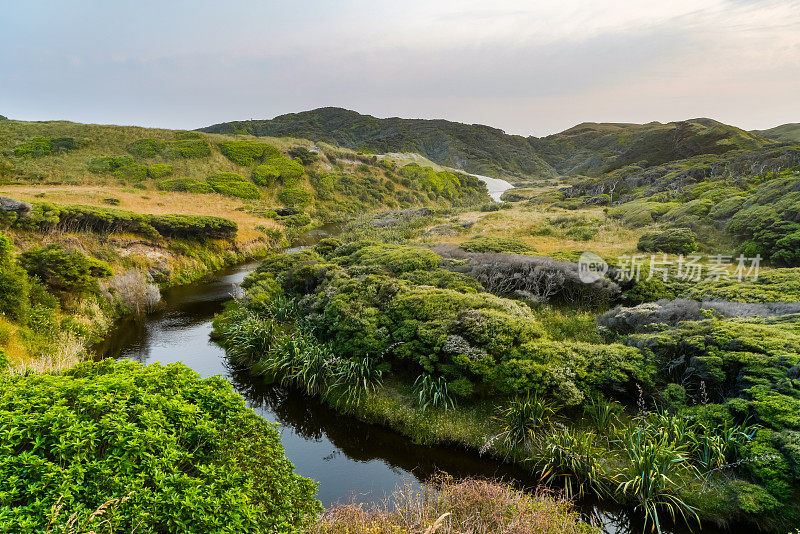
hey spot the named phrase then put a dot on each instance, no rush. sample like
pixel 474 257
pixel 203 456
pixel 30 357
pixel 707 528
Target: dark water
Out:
pixel 349 459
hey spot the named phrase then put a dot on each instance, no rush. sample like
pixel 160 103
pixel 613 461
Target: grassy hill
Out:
pixel 585 149
pixel 474 148
pixel 785 132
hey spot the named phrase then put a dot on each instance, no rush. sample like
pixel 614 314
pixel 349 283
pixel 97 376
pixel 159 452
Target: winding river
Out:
pixel 351 461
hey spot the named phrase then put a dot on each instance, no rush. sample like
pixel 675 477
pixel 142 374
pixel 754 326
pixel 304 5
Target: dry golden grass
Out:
pixel 145 201
pixel 522 223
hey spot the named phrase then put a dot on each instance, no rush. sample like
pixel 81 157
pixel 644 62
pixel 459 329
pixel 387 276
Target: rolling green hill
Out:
pixel 585 149
pixel 471 147
pixel 785 132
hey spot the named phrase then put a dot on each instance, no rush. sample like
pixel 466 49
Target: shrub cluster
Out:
pixel 187 185
pixel 233 185
pixel 44 146
pixel 248 153
pixel 167 451
pixel 671 241
pixel 278 170
pixel 64 270
pixel 50 217
pixel 188 145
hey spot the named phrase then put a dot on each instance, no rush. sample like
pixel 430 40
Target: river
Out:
pixel 352 461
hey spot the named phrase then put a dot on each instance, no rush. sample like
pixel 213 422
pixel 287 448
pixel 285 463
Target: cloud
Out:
pixel 525 66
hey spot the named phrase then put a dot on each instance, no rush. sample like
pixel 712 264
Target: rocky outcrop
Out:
pixel 8 205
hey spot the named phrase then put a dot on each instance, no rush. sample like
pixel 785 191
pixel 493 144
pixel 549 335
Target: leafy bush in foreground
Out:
pixel 233 185
pixel 159 170
pixel 188 452
pixel 14 285
pixel 496 244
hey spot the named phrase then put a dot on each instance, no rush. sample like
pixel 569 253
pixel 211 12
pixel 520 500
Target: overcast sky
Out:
pixel 528 67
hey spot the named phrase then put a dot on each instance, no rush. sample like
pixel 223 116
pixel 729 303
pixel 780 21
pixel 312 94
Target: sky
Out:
pixel 528 67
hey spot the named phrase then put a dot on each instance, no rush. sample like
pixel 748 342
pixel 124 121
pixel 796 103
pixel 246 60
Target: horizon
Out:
pixel 528 68
pixel 396 117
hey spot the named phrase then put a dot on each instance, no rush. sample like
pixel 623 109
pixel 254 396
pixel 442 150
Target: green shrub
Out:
pixel 44 146
pixel 278 170
pixel 194 226
pixel 303 155
pixel 187 148
pixel 247 153
pixel 295 197
pixel 188 454
pixel 159 170
pixel 108 163
pixel 64 270
pixel 233 185
pixel 133 172
pixel 671 241
pixel 14 285
pixel 146 148
pixel 188 185
pixel 496 244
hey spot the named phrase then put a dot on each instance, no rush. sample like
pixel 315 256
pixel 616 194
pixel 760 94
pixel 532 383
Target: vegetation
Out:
pixel 174 453
pixel 448 506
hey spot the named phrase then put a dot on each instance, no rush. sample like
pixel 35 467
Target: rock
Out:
pixel 9 204
pixel 442 229
pixel 285 212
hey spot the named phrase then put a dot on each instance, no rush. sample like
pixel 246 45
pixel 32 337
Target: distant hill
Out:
pixel 596 148
pixel 585 149
pixel 785 132
pixel 471 147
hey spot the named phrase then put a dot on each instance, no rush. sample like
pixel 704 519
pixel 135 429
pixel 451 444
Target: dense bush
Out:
pixel 179 453
pixel 671 241
pixel 295 197
pixel 50 217
pixel 188 185
pixel 108 163
pixel 247 153
pixel 44 146
pixel 233 185
pixel 194 226
pixel 183 147
pixel 303 155
pixel 159 170
pixel 278 170
pixel 14 285
pixel 64 270
pixel 133 172
pixel 459 188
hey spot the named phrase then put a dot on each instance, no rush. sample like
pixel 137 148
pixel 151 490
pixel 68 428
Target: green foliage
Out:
pixel 303 155
pixel 295 197
pixel 278 170
pixel 197 227
pixel 671 241
pixel 14 284
pixel 188 185
pixel 432 392
pixel 247 153
pixel 523 417
pixel 108 163
pixel 64 270
pixel 45 146
pixel 187 453
pixel 183 147
pixel 496 244
pixel 133 172
pixel 159 170
pixel 233 185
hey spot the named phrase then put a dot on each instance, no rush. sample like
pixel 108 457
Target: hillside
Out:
pixel 474 148
pixel 596 148
pixel 585 149
pixel 785 132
